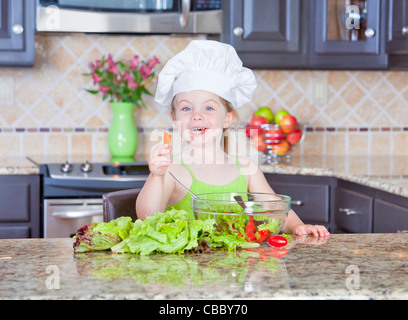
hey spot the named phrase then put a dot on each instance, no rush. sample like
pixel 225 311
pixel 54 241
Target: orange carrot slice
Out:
pixel 166 138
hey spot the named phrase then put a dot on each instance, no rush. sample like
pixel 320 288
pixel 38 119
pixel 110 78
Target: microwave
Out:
pixel 130 16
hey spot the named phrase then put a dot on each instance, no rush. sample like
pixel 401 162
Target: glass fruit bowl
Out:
pixel 251 216
pixel 280 141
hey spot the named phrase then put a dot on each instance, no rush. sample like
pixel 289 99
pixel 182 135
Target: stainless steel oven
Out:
pixel 130 16
pixel 62 217
pixel 72 192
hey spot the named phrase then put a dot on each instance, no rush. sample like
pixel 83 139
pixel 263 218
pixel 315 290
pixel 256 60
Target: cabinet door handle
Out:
pixel 369 33
pixel 18 29
pixel 402 231
pixel 238 31
pixel 296 203
pixel 348 211
pixel 404 30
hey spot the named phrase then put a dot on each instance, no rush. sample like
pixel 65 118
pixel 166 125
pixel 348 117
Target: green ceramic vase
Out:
pixel 122 135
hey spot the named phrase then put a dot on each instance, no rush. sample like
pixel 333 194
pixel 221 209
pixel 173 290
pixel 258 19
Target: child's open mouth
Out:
pixel 198 130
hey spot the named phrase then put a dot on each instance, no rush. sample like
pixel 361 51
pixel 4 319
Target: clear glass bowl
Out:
pixel 280 141
pixel 263 211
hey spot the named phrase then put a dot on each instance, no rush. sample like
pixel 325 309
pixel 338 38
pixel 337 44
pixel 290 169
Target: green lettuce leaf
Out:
pixel 272 226
pixel 120 226
pixel 168 232
pixel 89 239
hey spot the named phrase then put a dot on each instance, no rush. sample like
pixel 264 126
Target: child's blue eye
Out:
pixel 209 108
pixel 186 108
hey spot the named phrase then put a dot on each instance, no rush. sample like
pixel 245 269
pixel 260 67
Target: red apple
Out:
pixel 258 120
pixel 274 135
pixel 288 124
pixel 253 128
pixel 294 137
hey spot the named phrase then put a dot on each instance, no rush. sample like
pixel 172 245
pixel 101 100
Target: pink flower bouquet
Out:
pixel 122 82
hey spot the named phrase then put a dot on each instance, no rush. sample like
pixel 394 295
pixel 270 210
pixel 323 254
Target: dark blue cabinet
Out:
pixel 397 42
pixel 267 33
pixel 20 206
pixel 17 32
pixel 309 34
pixel 348 35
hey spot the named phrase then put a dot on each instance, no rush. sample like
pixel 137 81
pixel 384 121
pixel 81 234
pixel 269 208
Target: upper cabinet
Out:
pixel 17 32
pixel 397 40
pixel 318 34
pixel 267 33
pixel 347 34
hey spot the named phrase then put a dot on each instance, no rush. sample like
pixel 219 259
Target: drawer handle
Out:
pixel 77 214
pixel 348 212
pixel 296 203
pixel 402 231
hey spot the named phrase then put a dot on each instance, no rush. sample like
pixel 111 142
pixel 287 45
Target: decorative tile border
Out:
pixel 141 129
pixel 356 129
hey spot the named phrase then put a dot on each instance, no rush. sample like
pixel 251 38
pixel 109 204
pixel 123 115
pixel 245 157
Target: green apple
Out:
pixel 266 113
pixel 280 114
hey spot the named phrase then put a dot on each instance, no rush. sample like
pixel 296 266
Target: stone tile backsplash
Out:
pixel 50 113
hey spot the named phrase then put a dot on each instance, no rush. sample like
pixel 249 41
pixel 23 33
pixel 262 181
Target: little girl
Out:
pixel 203 86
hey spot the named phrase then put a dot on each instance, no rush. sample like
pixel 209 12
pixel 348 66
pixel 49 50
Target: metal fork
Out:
pixel 189 191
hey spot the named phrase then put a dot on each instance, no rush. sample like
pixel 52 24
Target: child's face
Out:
pixel 199 114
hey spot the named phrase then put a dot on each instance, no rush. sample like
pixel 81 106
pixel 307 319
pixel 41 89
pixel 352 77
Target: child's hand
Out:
pixel 316 230
pixel 159 159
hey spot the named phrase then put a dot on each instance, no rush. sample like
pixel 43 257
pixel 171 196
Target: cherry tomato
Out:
pixel 277 241
pixel 250 227
pixel 251 236
pixel 262 235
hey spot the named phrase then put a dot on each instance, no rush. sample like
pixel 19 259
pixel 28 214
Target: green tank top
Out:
pixel 240 184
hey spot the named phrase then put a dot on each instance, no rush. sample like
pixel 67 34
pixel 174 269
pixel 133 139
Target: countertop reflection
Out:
pixel 346 266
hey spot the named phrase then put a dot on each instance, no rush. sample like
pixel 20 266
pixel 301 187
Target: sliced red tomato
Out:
pixel 251 236
pixel 262 235
pixel 250 227
pixel 277 241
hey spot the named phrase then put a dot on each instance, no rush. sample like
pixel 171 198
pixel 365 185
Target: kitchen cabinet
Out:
pixel 267 33
pixel 342 206
pixel 19 206
pixel 397 42
pixel 390 213
pixel 398 26
pixel 311 196
pixel 17 32
pixel 308 34
pixel 347 36
pixel 353 210
pixel 361 209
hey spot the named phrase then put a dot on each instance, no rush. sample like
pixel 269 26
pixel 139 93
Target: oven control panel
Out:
pixel 99 171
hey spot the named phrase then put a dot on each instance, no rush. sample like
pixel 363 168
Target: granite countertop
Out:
pixel 344 266
pixel 17 166
pixel 384 172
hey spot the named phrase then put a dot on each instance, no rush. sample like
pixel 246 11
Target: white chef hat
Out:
pixel 210 66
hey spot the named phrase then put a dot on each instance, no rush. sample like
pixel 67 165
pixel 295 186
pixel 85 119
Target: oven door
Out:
pixel 63 217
